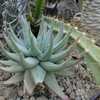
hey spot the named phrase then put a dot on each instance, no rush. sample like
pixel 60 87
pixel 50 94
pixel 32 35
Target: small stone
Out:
pixel 78 98
pixel 74 87
pixel 20 92
pixel 69 90
pixel 25 99
pixel 2 98
pixel 42 98
pixel 72 95
pixel 18 98
pixel 10 92
pixel 66 98
pixel 32 98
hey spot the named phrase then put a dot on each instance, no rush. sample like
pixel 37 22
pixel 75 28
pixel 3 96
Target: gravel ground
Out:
pixel 79 86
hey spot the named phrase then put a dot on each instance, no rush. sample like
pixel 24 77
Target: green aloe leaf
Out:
pixel 50 66
pixel 13 69
pixel 61 43
pixel 38 74
pixel 14 36
pixel 25 29
pixel 28 83
pixel 34 46
pixel 42 38
pixel 28 62
pixel 10 55
pixel 9 43
pixel 46 55
pixel 7 62
pixel 64 53
pixel 51 82
pixel 19 48
pixel 60 34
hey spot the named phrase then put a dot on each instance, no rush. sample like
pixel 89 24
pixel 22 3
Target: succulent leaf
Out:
pixel 31 62
pixel 10 55
pixel 34 46
pixel 64 53
pixel 38 74
pixel 51 82
pixel 60 34
pixel 28 62
pixel 25 30
pixel 7 62
pixel 59 56
pixel 46 55
pixel 61 43
pixel 14 36
pixel 18 47
pixel 49 66
pixel 13 69
pixel 43 36
pixel 9 43
pixel 28 83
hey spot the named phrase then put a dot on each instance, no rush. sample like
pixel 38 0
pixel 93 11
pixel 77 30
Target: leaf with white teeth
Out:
pixel 18 77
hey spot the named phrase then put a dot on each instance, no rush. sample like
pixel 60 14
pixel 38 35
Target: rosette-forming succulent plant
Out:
pixel 37 60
